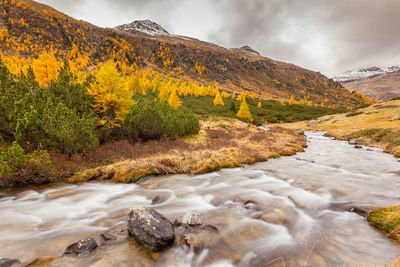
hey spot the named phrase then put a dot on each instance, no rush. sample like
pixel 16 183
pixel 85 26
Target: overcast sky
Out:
pixel 330 36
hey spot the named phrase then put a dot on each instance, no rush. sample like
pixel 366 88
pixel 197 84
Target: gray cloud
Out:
pixel 323 35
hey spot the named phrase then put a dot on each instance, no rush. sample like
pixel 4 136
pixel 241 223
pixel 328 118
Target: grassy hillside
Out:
pixel 270 111
pixel 373 124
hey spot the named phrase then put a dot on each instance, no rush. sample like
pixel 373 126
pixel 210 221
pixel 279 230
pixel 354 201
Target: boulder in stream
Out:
pixel 83 248
pixel 313 123
pixel 151 228
pixel 6 262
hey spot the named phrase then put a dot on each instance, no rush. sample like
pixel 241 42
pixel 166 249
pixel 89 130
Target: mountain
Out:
pixel 28 28
pixel 353 75
pixel 144 26
pixel 380 87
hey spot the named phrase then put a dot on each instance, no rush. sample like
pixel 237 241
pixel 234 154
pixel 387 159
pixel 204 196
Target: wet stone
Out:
pixel 83 248
pixel 151 229
pixel 362 210
pixel 156 200
pixel 192 218
pixel 117 233
pixel 355 141
pixel 6 262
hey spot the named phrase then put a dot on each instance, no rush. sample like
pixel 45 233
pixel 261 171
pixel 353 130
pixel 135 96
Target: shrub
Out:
pixel 154 120
pixel 19 168
pixel 53 126
pixel 59 116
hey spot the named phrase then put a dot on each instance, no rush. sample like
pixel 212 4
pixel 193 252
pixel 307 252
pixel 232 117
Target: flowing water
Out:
pixel 290 211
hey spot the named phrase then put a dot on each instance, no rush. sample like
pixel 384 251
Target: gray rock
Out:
pixel 396 118
pixel 362 210
pixel 151 228
pixel 156 200
pixel 357 147
pixel 355 141
pixel 327 118
pixel 6 262
pixel 313 123
pixel 192 218
pixel 83 248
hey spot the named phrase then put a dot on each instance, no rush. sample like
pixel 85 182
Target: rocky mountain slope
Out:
pixel 378 83
pixel 27 28
pixel 144 26
pixel 353 75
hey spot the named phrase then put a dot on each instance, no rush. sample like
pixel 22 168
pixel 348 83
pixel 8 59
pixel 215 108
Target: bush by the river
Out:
pixel 20 168
pixel 150 119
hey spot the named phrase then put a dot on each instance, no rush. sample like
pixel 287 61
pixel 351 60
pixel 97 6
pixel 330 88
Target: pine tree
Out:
pixel 218 100
pixel 174 100
pixel 111 95
pixel 244 111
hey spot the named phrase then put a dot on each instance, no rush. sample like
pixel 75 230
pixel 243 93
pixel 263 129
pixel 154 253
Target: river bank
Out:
pixel 221 143
pixel 377 125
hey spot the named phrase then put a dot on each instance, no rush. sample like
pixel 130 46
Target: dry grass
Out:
pixel 387 219
pixel 345 127
pixel 221 143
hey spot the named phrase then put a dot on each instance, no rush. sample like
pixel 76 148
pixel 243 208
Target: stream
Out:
pixel 290 211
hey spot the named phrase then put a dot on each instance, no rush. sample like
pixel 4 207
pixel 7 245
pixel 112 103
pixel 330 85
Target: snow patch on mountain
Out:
pixel 144 26
pixel 358 74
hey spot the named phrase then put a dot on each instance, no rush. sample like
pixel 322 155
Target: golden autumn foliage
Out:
pixel 259 105
pixel 174 100
pixel 111 95
pixel 244 112
pixel 46 68
pixel 292 101
pixel 218 100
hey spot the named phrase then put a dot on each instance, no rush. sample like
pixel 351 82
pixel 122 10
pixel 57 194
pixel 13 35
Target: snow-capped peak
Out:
pixel 144 26
pixel 357 74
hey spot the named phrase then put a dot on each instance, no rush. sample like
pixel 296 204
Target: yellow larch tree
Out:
pixel 174 100
pixel 218 100
pixel 112 98
pixel 244 112
pixel 259 105
pixel 45 68
pixel 292 101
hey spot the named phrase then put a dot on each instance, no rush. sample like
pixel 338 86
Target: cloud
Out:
pixel 323 35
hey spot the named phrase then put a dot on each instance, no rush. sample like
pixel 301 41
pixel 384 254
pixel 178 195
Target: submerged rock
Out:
pixel 362 210
pixel 117 233
pixel 155 200
pixel 151 228
pixel 6 262
pixel 83 248
pixel 192 218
